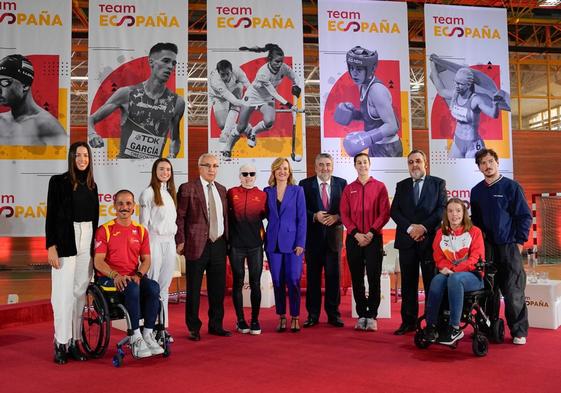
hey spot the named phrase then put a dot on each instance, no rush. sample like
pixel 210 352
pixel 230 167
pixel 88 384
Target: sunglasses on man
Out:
pixel 246 174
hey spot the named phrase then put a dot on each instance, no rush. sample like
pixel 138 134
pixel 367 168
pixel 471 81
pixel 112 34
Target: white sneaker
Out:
pixel 153 346
pixel 519 340
pixel 360 324
pixel 371 324
pixel 139 348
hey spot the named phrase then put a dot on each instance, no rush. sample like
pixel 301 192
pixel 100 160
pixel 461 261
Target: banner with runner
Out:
pixel 364 86
pixel 468 90
pixel 35 42
pixel 255 86
pixel 137 67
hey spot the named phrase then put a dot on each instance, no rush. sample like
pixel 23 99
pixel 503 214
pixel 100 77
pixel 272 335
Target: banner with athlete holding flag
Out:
pixel 468 91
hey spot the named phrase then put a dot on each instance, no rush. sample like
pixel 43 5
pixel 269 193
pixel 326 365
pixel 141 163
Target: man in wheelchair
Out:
pixel 457 248
pixel 120 245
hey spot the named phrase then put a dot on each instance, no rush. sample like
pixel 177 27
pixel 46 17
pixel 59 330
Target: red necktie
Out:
pixel 324 198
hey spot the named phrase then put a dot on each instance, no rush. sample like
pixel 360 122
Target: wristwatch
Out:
pixel 139 274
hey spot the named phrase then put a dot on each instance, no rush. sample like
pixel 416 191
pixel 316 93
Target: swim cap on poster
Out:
pixel 17 67
pixel 361 57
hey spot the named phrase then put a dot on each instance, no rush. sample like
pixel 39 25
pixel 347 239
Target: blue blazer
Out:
pixel 287 226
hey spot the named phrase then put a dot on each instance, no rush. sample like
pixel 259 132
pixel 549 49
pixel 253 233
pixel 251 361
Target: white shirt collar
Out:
pixel 321 181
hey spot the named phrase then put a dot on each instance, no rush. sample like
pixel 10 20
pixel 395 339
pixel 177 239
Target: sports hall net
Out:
pixel 548 232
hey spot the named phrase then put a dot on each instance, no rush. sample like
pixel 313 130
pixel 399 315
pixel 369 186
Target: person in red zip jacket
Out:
pixel 365 209
pixel 246 209
pixel 457 247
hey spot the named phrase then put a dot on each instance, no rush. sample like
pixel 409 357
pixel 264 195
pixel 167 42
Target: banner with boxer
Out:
pixel 35 51
pixel 468 92
pixel 137 66
pixel 255 86
pixel 364 86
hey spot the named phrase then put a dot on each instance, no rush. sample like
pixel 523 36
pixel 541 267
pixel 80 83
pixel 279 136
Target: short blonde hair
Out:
pixel 276 165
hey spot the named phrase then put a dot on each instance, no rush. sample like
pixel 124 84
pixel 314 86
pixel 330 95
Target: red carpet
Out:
pixel 320 359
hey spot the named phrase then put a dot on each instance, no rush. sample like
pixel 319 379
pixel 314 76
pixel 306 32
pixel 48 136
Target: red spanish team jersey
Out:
pixel 122 245
pixel 247 210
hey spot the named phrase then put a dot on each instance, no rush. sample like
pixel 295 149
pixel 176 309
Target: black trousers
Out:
pixel 254 258
pixel 409 261
pixel 213 261
pixel 511 280
pixel 316 262
pixel 359 259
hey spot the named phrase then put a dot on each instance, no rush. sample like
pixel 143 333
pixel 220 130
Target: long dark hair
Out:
pixel 273 50
pixel 73 170
pixel 156 184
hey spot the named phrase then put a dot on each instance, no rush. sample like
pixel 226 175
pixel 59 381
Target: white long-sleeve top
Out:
pixel 159 220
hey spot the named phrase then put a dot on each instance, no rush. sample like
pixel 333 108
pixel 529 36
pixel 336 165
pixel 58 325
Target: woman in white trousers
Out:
pixel 72 218
pixel 158 214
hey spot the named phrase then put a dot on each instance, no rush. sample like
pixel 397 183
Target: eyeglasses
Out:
pixel 246 174
pixel 208 166
pixel 6 82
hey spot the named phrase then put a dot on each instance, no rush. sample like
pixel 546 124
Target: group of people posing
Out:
pixel 206 223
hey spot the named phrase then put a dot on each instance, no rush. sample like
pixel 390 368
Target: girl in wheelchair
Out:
pixel 457 248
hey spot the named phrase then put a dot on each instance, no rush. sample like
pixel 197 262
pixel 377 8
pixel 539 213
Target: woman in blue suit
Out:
pixel 285 239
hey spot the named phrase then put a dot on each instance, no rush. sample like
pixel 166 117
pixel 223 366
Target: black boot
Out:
pixel 60 353
pixel 76 352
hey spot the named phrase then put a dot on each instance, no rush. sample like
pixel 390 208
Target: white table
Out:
pixel 543 300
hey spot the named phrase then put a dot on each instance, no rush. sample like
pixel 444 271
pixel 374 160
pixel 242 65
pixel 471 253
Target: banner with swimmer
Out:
pixel 468 92
pixel 255 86
pixel 137 66
pixel 364 86
pixel 35 51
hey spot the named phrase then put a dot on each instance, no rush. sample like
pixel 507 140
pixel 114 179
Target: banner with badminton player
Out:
pixel 35 42
pixel 255 85
pixel 364 86
pixel 468 91
pixel 137 66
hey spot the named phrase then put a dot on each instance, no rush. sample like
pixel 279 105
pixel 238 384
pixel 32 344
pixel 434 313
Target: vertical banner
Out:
pixel 364 86
pixel 35 41
pixel 255 85
pixel 137 66
pixel 468 89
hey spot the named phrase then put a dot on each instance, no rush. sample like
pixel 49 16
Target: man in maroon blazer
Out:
pixel 202 230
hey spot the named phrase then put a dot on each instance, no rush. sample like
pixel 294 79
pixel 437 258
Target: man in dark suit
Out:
pixel 202 229
pixel 417 209
pixel 323 241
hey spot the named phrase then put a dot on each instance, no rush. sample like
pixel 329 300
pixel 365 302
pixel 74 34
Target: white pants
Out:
pixel 163 261
pixel 69 285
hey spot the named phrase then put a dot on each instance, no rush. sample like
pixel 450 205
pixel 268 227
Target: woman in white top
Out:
pixel 158 213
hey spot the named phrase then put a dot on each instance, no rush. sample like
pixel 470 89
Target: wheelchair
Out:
pixel 485 327
pixel 103 305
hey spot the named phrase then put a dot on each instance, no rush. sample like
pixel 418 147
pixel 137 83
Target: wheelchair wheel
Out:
pixel 420 340
pixel 498 331
pixel 96 324
pixel 480 345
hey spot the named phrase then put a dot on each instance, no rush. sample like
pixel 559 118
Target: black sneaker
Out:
pixel 255 328
pixel 452 336
pixel 431 334
pixel 241 326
